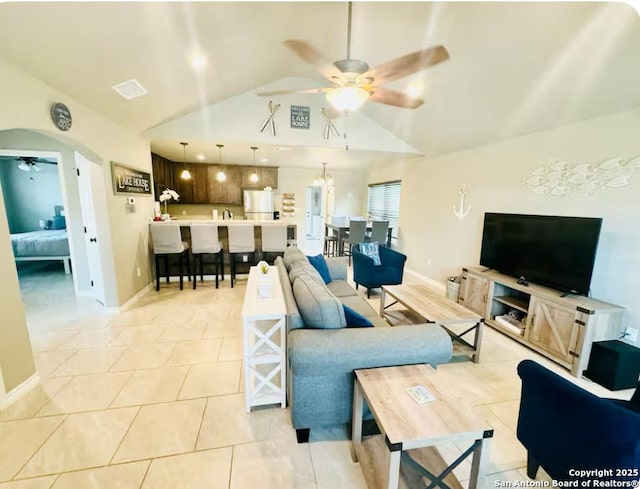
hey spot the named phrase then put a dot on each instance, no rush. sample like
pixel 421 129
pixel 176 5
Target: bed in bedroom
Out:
pixel 42 245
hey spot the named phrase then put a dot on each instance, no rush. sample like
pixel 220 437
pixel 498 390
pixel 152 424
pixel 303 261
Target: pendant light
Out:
pixel 254 178
pixel 186 174
pixel 220 176
pixel 325 178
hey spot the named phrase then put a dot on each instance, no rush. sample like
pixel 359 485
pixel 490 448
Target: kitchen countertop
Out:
pixel 226 222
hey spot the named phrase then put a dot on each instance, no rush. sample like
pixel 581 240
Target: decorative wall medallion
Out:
pixel 61 116
pixel 582 180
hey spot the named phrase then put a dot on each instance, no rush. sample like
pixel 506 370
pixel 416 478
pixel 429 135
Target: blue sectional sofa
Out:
pixel 323 353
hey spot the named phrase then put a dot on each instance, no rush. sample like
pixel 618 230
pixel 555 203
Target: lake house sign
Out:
pixel 128 180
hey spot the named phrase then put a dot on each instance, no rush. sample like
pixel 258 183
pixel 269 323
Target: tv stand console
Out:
pixel 559 326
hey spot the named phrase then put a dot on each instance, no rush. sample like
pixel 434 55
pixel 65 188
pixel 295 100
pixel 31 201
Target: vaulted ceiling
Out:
pixel 514 68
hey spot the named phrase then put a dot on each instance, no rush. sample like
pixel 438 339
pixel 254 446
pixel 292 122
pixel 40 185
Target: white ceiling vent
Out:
pixel 130 89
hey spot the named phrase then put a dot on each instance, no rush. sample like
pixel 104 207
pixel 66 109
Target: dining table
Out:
pixel 341 231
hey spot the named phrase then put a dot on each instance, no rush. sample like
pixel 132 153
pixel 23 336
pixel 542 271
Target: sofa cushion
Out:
pixel 340 288
pixel 319 308
pixel 304 268
pixel 320 265
pixel 359 304
pixel 294 319
pixel 371 250
pixel 354 319
pixel 291 255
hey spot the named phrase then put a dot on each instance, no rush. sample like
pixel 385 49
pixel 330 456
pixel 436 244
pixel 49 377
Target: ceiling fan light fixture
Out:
pixel 347 98
pixel 37 168
pixel 24 167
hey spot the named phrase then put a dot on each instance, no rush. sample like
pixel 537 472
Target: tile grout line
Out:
pixel 125 435
pixel 204 411
pixel 146 472
pixel 64 419
pixel 183 382
pixel 131 374
pixel 233 451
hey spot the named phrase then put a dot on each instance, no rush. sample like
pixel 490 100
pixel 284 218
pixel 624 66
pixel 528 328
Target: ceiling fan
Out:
pixel 29 162
pixel 353 82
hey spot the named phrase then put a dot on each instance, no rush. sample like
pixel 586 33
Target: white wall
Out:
pixel 350 192
pixel 25 104
pixel 438 244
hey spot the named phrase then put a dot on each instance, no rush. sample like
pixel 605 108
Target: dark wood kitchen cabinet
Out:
pixel 199 177
pixel 183 187
pixel 162 174
pixel 267 177
pixel 227 192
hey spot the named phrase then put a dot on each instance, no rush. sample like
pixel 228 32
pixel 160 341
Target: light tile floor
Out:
pixel 151 397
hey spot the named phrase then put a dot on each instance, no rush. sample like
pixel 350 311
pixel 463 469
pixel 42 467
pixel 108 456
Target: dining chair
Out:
pixel 242 245
pixel 274 241
pixel 167 243
pixel 204 241
pixel 357 228
pixel 379 230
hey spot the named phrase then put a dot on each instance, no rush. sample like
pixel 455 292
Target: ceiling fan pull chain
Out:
pixel 346 138
pixel 349 32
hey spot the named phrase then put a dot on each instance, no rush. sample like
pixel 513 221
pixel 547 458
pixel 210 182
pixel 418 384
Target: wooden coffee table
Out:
pixel 409 427
pixel 428 304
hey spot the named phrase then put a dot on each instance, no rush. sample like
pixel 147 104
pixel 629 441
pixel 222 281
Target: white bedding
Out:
pixel 40 243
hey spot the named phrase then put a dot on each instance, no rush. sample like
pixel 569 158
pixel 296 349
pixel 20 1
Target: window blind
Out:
pixel 383 203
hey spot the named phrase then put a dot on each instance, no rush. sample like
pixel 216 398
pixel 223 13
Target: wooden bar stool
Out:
pixel 204 241
pixel 167 242
pixel 242 244
pixel 274 241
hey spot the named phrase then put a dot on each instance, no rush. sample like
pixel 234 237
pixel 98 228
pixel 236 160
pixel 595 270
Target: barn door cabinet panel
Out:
pixel 559 326
pixel 473 292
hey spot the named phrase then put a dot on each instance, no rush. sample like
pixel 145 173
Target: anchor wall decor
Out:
pixel 270 121
pixel 462 213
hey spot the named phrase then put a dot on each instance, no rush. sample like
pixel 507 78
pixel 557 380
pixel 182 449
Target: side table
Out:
pixel 264 342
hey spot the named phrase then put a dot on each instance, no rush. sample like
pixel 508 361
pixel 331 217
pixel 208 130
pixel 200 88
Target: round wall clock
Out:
pixel 61 116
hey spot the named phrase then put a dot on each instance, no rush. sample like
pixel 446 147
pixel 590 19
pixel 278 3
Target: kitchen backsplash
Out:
pixel 205 211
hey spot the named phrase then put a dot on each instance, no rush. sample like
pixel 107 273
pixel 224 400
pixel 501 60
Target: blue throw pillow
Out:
pixel 371 250
pixel 355 319
pixel 321 266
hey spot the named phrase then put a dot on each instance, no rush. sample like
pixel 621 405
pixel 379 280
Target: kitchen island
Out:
pixel 223 234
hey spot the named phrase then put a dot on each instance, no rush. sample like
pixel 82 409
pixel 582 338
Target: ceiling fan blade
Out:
pixel 392 97
pixel 406 65
pixel 308 53
pixel 284 92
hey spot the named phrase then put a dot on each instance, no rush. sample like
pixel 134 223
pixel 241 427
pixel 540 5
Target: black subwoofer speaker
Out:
pixel 614 365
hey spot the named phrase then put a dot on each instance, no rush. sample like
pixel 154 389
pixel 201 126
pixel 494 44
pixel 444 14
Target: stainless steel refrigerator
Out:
pixel 258 205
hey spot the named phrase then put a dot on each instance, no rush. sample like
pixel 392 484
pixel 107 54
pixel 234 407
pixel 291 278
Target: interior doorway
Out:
pixel 91 178
pixel 314 203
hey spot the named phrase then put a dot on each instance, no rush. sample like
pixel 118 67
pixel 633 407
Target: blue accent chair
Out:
pixel 565 428
pixel 365 273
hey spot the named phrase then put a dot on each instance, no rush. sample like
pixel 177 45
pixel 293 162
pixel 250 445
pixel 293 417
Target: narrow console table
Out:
pixel 264 343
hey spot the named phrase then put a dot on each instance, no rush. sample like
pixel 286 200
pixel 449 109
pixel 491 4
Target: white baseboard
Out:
pixel 6 399
pixel 426 279
pixel 133 299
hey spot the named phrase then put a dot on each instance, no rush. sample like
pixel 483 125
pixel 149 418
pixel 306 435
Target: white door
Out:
pixel 90 175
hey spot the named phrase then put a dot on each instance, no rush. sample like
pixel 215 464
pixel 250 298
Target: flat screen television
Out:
pixel 558 252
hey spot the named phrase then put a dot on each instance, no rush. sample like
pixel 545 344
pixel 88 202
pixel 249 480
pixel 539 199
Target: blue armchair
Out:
pixel 567 429
pixel 371 276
